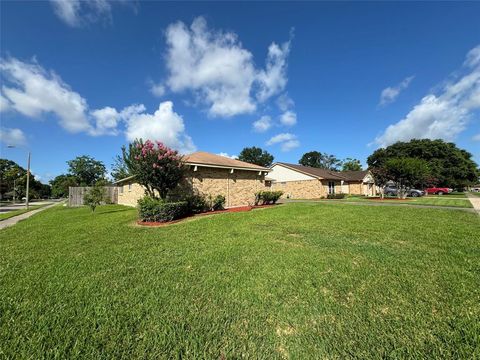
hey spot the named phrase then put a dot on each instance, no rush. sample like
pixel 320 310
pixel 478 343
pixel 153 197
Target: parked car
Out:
pixel 393 191
pixel 438 190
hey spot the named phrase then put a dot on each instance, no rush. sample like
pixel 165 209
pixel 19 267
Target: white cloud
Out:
pixel 4 104
pixel 164 125
pixel 14 137
pixel 476 137
pixel 391 93
pixel 228 156
pixel 443 115
pixel 78 13
pixel 262 124
pixel 157 90
pixel 221 74
pixel 288 118
pixel 288 141
pixel 274 79
pixel 284 102
pixel 106 121
pixel 32 91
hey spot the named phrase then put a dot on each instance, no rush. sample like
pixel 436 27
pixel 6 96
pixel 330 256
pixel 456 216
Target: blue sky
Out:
pixel 342 78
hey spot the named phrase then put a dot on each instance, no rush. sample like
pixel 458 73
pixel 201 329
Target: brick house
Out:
pixel 209 174
pixel 304 182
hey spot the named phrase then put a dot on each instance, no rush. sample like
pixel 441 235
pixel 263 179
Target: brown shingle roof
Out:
pixel 328 174
pixel 205 158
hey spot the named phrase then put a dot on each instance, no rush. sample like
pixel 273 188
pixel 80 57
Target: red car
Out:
pixel 437 190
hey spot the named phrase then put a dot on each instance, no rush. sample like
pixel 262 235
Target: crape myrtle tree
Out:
pixel 155 166
pixel 449 166
pixel 256 155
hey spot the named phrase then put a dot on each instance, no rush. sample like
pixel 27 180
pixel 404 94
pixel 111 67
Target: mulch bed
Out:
pixel 387 198
pixel 230 210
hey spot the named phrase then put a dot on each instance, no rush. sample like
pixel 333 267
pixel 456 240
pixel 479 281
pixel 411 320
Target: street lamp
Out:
pixel 28 174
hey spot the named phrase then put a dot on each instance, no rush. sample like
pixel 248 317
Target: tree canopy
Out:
pixel 257 156
pixel 61 183
pixel 11 173
pixel 86 170
pixel 448 165
pixel 350 164
pixel 119 168
pixel 320 160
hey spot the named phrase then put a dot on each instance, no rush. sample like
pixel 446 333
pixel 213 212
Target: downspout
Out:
pixel 228 188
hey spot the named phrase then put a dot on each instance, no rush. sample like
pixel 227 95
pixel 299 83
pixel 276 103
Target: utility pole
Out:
pixel 28 177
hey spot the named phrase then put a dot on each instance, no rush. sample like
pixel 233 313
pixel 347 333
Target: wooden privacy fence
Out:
pixel 75 195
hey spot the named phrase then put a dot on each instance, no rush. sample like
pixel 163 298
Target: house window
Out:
pixel 129 187
pixel 268 183
pixel 120 189
pixel 331 187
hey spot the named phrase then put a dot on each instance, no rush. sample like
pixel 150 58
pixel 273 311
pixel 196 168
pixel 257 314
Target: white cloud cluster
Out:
pixel 443 115
pixel 78 13
pixel 288 118
pixel 221 74
pixel 228 156
pixel 14 137
pixel 33 92
pixel 262 124
pixel 391 93
pixel 287 141
pixel 164 124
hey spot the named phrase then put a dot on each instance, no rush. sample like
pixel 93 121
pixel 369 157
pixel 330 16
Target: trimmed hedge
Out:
pixel 336 196
pixel 154 210
pixel 267 197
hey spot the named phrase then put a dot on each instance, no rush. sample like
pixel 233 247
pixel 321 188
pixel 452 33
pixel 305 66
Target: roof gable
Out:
pixel 205 158
pixel 327 174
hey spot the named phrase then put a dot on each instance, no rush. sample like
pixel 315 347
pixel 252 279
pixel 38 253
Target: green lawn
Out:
pixel 304 280
pixel 424 200
pixel 13 213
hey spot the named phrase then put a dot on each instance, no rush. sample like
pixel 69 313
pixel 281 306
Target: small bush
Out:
pixel 196 203
pixel 94 197
pixel 155 210
pixel 336 196
pixel 217 202
pixel 267 197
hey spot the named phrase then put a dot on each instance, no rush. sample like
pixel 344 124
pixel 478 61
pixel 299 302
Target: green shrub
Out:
pixel 267 197
pixel 216 203
pixel 94 197
pixel 196 203
pixel 336 196
pixel 156 210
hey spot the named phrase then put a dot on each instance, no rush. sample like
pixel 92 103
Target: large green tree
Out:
pixel 407 173
pixel 61 183
pixel 350 164
pixel 320 160
pixel 256 155
pixel 13 174
pixel 449 166
pixel 87 170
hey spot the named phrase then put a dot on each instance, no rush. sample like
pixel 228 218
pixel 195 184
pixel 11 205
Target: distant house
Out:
pixel 304 182
pixel 209 174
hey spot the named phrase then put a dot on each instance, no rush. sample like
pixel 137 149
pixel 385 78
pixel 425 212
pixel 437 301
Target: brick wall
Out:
pixel 302 189
pixel 239 187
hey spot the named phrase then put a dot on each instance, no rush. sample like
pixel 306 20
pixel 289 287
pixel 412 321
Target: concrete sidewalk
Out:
pixel 475 200
pixel 15 219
